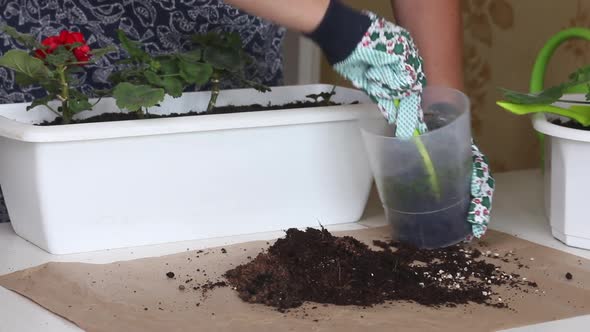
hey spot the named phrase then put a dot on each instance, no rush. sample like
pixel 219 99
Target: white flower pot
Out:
pixel 85 187
pixel 567 159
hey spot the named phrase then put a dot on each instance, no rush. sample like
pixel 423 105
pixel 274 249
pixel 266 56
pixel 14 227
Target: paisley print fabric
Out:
pixel 158 24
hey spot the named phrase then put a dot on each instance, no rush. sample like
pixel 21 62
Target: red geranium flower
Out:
pixel 65 38
pixel 68 37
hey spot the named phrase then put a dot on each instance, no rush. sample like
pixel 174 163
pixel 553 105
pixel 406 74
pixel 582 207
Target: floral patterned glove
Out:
pixel 381 58
pixel 482 192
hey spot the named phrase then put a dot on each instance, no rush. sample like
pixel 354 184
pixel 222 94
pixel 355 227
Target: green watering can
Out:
pixel 576 112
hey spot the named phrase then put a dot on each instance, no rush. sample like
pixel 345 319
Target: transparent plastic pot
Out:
pixel 424 181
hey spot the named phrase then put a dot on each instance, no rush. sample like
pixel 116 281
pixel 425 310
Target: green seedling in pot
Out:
pixel 53 64
pixel 428 164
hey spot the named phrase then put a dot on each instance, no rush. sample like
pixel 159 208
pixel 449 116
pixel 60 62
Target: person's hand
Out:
pixel 378 57
pixel 381 59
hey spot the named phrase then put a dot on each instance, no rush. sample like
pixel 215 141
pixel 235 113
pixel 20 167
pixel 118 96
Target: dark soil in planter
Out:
pixel 315 266
pixel 107 117
pixel 570 124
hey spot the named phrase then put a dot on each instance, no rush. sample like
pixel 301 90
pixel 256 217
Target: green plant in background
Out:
pixel 541 99
pixel 525 103
pixel 54 64
pixel 517 105
pixel 224 54
pixel 144 80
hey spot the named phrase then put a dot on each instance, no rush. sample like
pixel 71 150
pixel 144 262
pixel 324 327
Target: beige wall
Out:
pixel 502 38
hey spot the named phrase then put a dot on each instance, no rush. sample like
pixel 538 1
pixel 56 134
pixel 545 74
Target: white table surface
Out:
pixel 517 210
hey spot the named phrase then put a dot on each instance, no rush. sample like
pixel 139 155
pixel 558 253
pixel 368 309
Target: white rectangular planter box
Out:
pixel 567 158
pixel 85 187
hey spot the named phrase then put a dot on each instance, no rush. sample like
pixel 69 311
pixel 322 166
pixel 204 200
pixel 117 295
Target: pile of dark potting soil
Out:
pixel 315 266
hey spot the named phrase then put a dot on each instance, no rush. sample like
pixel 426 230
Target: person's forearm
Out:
pixel 436 28
pixel 300 15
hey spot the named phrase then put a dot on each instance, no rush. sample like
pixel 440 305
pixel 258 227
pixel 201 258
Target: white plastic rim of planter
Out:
pixel 566 180
pixel 86 187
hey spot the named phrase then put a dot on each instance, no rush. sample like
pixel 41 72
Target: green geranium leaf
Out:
pixel 23 80
pixel 207 39
pixel 191 56
pixel 20 61
pixel 132 47
pixel 135 97
pixel 25 39
pixel 100 52
pixel 223 58
pixel 61 56
pixel 50 85
pixel 195 72
pixel 173 86
pixel 125 62
pixel 78 105
pixel 234 41
pixel 75 94
pixel 168 66
pixel 41 101
pixel 153 78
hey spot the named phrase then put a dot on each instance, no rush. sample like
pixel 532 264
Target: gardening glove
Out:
pixel 381 59
pixel 378 57
pixel 482 191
